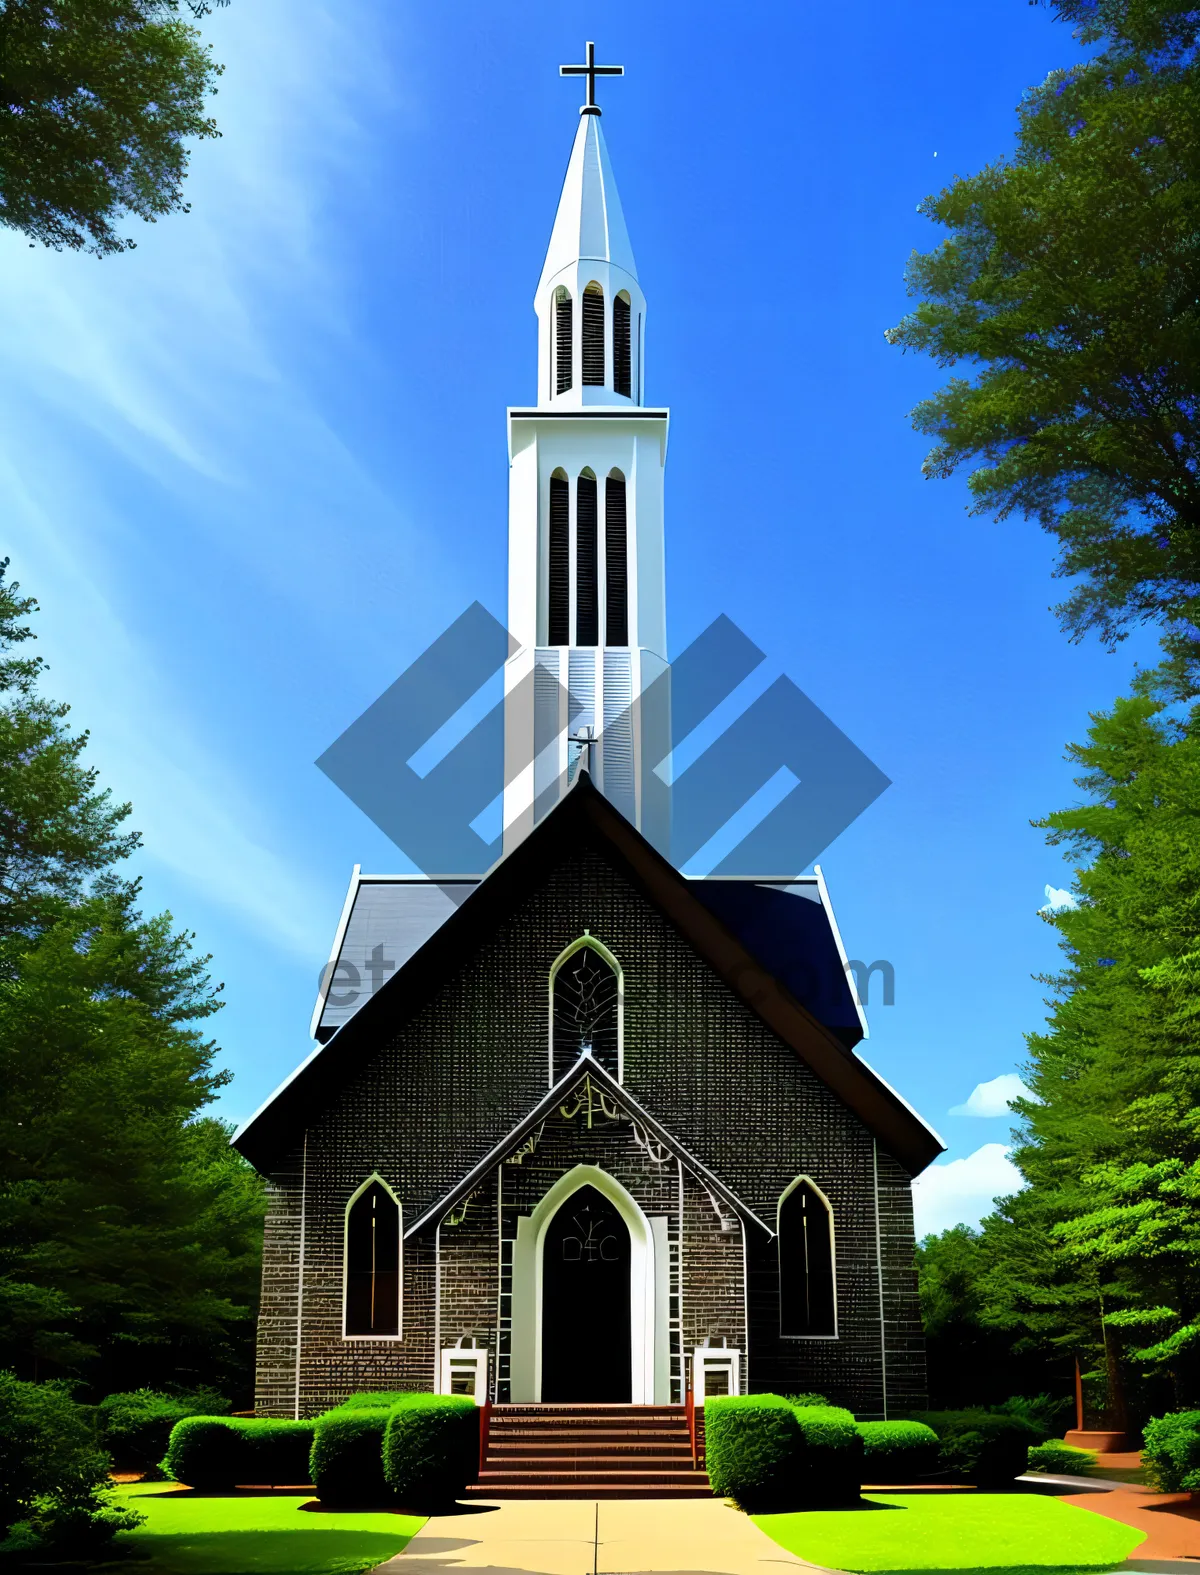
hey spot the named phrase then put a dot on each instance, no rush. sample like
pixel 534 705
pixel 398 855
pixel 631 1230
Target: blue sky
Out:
pixel 252 468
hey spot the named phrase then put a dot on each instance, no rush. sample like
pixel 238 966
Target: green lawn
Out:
pixel 243 1535
pixel 955 1531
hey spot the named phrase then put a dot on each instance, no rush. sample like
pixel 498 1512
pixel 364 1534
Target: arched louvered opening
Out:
pixel 372 1307
pixel 563 315
pixel 558 624
pixel 587 568
pixel 807 1302
pixel 622 360
pixel 585 1008
pixel 616 562
pixel 593 336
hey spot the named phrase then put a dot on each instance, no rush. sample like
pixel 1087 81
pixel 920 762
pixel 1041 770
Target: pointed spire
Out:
pixel 589 225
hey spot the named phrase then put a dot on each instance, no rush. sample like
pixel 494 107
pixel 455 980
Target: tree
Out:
pixel 1068 282
pixel 1092 1254
pixel 129 1230
pixel 97 101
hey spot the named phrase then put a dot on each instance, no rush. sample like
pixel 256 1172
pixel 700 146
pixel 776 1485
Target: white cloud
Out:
pixel 962 1191
pixel 992 1098
pixel 1058 899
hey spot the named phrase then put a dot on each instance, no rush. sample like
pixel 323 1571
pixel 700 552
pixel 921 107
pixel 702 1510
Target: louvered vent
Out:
pixel 616 564
pixel 559 622
pixel 622 380
pixel 587 575
pixel 562 341
pixel 593 337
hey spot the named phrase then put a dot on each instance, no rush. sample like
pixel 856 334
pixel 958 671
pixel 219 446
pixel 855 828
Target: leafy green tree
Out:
pixel 1112 1130
pixel 97 101
pixel 129 1230
pixel 1067 283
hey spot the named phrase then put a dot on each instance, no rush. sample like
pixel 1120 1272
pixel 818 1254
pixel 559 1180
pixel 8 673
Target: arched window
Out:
pixel 562 339
pixel 622 363
pixel 807 1299
pixel 372 1308
pixel 585 1008
pixel 593 336
pixel 616 562
pixel 559 621
pixel 587 569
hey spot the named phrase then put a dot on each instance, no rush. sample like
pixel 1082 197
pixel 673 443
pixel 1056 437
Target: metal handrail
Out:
pixel 690 1404
pixel 485 1425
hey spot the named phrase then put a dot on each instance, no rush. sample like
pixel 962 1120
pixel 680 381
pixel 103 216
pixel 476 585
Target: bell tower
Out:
pixel 586 585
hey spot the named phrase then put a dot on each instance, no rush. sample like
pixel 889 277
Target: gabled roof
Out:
pixel 583 817
pixel 584 1071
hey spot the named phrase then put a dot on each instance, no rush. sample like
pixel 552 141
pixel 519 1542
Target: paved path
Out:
pixel 581 1537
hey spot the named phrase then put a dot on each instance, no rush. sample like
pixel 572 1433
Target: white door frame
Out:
pixel 641 1273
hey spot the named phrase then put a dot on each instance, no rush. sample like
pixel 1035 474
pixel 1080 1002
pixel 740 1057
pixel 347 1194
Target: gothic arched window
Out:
pixel 593 336
pixel 807 1300
pixel 562 339
pixel 372 1308
pixel 585 1008
pixel 622 360
pixel 587 568
pixel 558 630
pixel 616 562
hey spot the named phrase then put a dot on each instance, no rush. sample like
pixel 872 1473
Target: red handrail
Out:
pixel 690 1404
pixel 485 1424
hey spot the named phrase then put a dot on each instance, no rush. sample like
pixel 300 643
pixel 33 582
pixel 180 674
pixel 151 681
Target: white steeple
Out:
pixel 586 583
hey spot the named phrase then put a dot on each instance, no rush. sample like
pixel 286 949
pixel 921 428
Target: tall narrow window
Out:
pixel 585 999
pixel 806 1285
pixel 622 379
pixel 559 622
pixel 587 572
pixel 593 336
pixel 373 1263
pixel 562 340
pixel 616 563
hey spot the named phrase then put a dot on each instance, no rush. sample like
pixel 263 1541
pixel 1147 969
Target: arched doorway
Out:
pixel 586 1346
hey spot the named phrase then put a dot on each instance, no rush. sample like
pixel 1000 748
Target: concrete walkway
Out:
pixel 583 1537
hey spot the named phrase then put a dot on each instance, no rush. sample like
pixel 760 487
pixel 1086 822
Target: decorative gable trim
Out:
pixel 589 1074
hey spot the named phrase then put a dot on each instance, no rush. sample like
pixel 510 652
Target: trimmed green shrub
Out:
pixel 806 1400
pixel 832 1458
pixel 135 1426
pixel 898 1451
pixel 1171 1448
pixel 986 1448
pixel 1061 1460
pixel 431 1449
pixel 220 1451
pixel 54 1490
pixel 753 1447
pixel 346 1461
pixel 377 1399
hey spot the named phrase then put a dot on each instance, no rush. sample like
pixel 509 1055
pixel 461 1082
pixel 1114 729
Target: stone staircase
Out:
pixel 589 1451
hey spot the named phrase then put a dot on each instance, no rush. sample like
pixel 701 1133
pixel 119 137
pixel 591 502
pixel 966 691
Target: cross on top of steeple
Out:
pixel 591 71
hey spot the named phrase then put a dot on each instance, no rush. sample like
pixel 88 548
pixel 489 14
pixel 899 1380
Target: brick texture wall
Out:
pixel 444 1087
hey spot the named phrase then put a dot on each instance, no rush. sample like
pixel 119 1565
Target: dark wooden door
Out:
pixel 585 1302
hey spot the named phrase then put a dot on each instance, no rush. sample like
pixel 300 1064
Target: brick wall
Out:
pixel 447 1085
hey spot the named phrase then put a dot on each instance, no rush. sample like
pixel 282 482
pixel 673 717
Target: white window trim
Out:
pixel 588 939
pixel 355 1195
pixel 833 1256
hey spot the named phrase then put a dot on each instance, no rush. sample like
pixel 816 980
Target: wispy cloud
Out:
pixel 963 1191
pixel 992 1098
pixel 164 443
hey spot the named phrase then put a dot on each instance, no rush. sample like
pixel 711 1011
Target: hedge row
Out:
pixel 419 1450
pixel 135 1425
pixel 767 1452
pixel 985 1448
pixel 898 1451
pixel 220 1451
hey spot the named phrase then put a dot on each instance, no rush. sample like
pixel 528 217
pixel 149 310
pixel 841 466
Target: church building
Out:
pixel 596 1132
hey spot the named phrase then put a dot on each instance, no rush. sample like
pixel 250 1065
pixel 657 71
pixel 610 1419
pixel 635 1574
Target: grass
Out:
pixel 240 1534
pixel 899 1533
